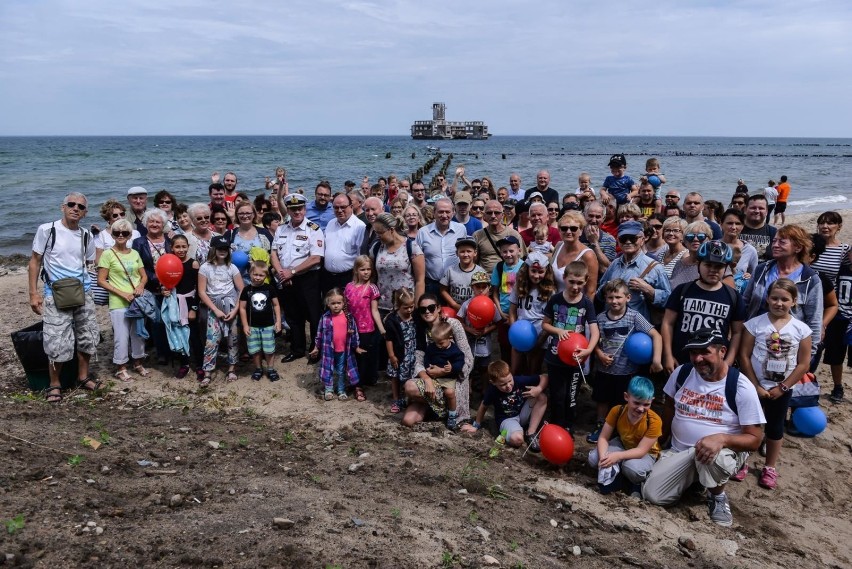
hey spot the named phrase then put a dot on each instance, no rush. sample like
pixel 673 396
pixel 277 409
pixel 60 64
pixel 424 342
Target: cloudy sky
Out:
pixel 551 67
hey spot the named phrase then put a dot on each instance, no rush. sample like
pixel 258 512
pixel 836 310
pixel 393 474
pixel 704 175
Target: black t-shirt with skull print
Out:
pixel 258 301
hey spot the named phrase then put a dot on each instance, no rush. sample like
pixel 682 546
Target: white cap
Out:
pixel 136 190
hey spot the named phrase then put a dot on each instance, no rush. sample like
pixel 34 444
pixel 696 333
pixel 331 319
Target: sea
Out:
pixel 38 171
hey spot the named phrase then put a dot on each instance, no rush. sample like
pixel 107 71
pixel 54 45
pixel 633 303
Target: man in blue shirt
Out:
pixel 320 211
pixel 462 201
pixel 438 241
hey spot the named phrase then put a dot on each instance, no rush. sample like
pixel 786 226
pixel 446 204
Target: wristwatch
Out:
pixel 783 387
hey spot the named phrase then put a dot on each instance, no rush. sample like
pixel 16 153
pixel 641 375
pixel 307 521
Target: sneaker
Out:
pixel 257 374
pixel 532 443
pixel 768 478
pixel 342 396
pixel 595 435
pixel 836 394
pixel 452 421
pixel 720 510
pixel 741 473
pixel 329 395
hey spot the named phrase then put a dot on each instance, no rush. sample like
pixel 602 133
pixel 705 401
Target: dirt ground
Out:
pixel 268 475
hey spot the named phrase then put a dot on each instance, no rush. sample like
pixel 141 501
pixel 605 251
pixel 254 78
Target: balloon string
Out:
pixel 534 437
pixel 580 367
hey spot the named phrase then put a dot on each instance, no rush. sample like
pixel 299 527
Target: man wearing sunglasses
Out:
pixel 649 286
pixel 60 251
pixel 488 237
pixel 693 210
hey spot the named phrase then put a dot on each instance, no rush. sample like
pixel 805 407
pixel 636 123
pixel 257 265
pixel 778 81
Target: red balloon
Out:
pixel 169 270
pixel 481 311
pixel 557 445
pixel 448 312
pixel 569 345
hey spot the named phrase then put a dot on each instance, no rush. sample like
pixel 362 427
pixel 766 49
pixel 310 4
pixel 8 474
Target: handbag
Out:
pixel 100 294
pixel 68 293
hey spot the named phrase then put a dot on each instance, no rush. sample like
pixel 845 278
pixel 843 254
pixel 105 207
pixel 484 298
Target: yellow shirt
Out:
pixel 119 266
pixel 650 426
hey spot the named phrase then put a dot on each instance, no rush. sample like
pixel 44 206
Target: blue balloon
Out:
pixel 639 348
pixel 654 180
pixel 522 335
pixel 240 259
pixel 809 421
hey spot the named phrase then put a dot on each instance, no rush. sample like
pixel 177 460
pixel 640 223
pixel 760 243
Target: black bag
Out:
pixel 29 346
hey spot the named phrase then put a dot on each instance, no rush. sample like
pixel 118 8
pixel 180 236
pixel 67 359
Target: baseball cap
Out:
pixel 462 197
pixel 536 258
pixel 220 242
pixel 509 203
pixel 617 160
pixel 630 228
pixel 135 190
pixel 704 337
pixel 535 195
pixel 510 240
pixel 480 277
pixel 469 241
pixel 348 184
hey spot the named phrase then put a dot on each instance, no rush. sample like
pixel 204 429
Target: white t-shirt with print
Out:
pixel 701 409
pixel 774 359
pixel 530 307
pixel 220 278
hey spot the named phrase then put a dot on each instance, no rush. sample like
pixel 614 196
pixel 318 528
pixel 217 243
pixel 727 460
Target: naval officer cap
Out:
pixel 295 201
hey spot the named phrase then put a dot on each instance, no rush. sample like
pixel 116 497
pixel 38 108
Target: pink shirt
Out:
pixel 360 298
pixel 339 331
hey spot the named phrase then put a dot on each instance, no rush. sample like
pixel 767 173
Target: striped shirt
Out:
pixel 829 261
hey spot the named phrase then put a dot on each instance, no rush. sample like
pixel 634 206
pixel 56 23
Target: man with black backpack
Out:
pixel 60 251
pixel 714 417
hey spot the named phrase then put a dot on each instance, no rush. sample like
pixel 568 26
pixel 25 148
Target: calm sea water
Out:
pixel 39 171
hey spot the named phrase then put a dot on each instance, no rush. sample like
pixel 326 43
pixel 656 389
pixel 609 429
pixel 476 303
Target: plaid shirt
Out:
pixel 325 345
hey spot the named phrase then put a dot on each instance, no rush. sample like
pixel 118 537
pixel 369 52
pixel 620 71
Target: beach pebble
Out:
pixel 175 501
pixel 463 491
pixel 282 523
pixel 358 522
pixel 554 523
pixel 355 467
pixel 488 560
pixel 184 429
pixel 486 535
pixel 104 469
pixel 363 455
pixel 90 481
pixel 576 551
pixel 99 530
pixel 91 524
pixel 686 542
pixel 213 444
pixel 730 547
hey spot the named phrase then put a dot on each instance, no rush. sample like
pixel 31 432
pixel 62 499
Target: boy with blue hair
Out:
pixel 628 444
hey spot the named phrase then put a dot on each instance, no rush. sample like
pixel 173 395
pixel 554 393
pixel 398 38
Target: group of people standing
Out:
pixel 424 285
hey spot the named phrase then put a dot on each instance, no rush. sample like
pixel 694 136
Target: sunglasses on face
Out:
pixel 202 218
pixel 121 234
pixel 220 219
pixel 78 206
pixel 476 188
pixel 567 228
pixel 478 208
pixel 117 215
pixel 553 208
pixel 428 309
pixel 656 227
pixel 695 236
pixel 624 239
pixel 164 202
pixel 493 213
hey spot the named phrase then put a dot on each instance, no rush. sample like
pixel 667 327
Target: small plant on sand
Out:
pixel 395 512
pixel 243 441
pixel 74 461
pixel 448 559
pixel 288 437
pixel 15 524
pixel 473 516
pixel 513 546
pixel 24 397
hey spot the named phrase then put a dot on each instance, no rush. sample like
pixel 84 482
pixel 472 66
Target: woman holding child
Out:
pixel 424 400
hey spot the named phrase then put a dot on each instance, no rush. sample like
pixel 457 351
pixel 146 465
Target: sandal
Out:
pixel 231 376
pixel 272 375
pixel 257 374
pixel 395 408
pixel 124 376
pixel 329 395
pixel 359 394
pixel 53 394
pixel 140 369
pixel 86 382
pixel 342 396
pixel 205 381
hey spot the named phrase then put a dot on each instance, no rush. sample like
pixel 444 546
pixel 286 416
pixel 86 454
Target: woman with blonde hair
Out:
pixel 571 226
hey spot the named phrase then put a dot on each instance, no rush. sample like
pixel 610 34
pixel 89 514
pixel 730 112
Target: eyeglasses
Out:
pixel 428 309
pixel 493 213
pixel 553 209
pixel 324 196
pixel 624 239
pixel 567 228
pixel 339 207
pixel 220 219
pixel 164 202
pixel 671 231
pixel 78 206
pixel 671 197
pixel 117 215
pixel 121 234
pixel 656 227
pixel 476 188
pixel 695 236
pixel 202 217
pixel 478 208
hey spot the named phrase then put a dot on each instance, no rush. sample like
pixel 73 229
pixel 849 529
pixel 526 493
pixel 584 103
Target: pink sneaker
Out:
pixel 741 473
pixel 768 478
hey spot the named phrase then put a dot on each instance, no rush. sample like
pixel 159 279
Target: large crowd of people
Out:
pixel 423 284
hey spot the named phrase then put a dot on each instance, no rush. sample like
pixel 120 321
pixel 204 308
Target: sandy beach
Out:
pixel 801 523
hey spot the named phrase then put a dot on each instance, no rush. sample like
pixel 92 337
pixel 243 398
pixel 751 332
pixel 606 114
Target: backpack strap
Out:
pixel 647 270
pixel 374 249
pixel 731 382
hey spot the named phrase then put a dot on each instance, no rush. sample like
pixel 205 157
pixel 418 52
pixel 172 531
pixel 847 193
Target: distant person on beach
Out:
pixel 59 253
pixel 741 187
pixel 542 186
pixel 618 186
pixel 757 230
pixel 781 203
pixel 771 194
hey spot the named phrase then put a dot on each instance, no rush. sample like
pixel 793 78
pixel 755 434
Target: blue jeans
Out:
pixel 340 371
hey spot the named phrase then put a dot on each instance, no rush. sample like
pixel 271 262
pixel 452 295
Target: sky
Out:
pixel 549 67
